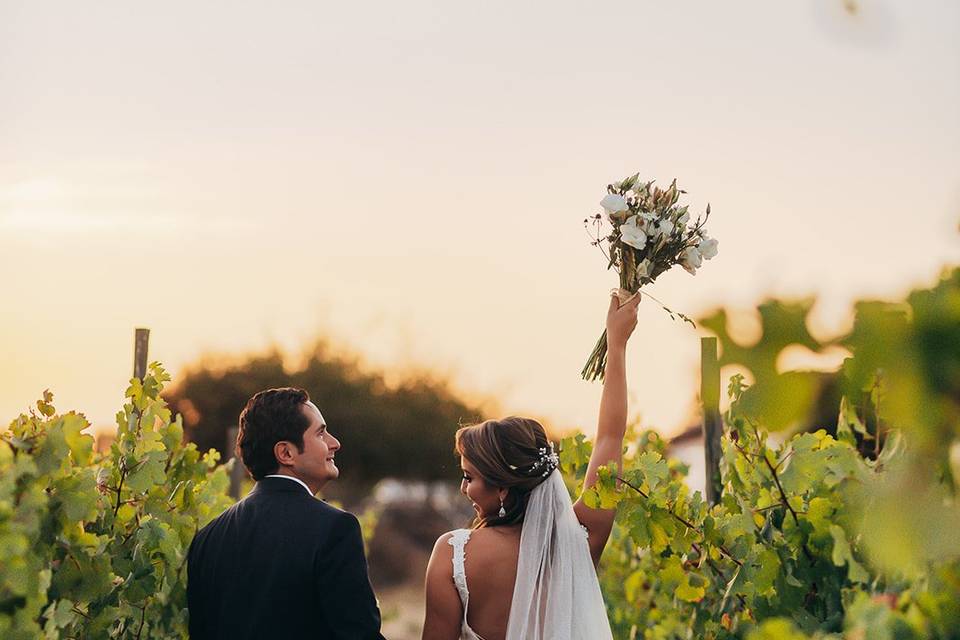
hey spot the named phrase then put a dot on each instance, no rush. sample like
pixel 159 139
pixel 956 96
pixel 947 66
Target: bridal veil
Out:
pixel 557 595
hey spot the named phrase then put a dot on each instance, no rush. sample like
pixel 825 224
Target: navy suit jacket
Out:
pixel 280 564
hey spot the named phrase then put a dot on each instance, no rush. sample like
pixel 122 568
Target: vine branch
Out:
pixel 686 523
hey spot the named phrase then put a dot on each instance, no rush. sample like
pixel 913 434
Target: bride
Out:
pixel 527 568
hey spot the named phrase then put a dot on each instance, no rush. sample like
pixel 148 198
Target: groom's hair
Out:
pixel 271 416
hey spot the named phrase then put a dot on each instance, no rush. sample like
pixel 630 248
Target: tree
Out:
pixel 402 430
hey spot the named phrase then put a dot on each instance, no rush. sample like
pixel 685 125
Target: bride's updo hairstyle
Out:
pixel 510 454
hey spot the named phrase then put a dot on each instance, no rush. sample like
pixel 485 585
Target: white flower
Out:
pixel 708 247
pixel 691 260
pixel 647 216
pixel 613 203
pixel 644 270
pixel 632 234
pixel 666 227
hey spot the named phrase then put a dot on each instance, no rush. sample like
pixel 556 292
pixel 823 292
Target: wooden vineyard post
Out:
pixel 141 343
pixel 712 423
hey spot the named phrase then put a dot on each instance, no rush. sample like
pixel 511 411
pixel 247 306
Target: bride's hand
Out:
pixel 621 317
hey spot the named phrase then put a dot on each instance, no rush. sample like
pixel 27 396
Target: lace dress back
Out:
pixel 459 542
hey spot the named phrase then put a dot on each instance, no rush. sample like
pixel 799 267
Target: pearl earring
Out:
pixel 502 512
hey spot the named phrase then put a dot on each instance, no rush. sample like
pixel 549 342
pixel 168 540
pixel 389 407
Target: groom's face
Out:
pixel 315 463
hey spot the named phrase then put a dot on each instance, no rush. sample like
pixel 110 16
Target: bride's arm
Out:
pixel 444 611
pixel 612 422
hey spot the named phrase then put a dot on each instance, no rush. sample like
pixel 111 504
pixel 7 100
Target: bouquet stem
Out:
pixel 597 362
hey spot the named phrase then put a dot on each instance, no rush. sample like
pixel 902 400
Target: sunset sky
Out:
pixel 410 178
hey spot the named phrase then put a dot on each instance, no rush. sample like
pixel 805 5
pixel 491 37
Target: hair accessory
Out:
pixel 502 512
pixel 548 461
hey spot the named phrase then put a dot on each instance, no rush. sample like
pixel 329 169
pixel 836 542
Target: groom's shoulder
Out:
pixel 319 512
pixel 307 507
pixel 297 511
pixel 323 521
pixel 322 509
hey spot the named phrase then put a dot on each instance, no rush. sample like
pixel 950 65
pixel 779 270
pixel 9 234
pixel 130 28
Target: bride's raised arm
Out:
pixel 612 421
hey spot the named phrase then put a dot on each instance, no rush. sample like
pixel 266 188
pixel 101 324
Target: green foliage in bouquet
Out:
pixel 95 546
pixel 851 535
pixel 650 233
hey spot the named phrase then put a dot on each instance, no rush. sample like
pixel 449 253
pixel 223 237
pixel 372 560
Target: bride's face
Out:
pixel 485 499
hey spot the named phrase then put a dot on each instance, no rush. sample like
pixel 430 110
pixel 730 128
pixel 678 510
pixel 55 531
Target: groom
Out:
pixel 280 563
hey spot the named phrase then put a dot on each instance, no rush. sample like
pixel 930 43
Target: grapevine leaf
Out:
pixel 54 449
pixel 843 555
pixel 147 473
pixel 766 569
pixel 61 614
pixel 633 584
pixel 654 467
pixel 575 454
pixel 78 495
pixel 849 421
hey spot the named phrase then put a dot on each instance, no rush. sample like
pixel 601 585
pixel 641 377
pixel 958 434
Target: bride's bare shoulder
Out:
pixel 443 546
pixel 440 564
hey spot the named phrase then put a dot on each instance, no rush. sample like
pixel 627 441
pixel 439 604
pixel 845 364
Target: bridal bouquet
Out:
pixel 650 235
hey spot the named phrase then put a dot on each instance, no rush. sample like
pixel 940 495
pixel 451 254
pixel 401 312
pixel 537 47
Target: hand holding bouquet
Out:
pixel 650 234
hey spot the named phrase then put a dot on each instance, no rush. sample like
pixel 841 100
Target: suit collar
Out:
pixel 281 485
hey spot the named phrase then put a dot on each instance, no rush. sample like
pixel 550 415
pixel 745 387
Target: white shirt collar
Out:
pixel 302 483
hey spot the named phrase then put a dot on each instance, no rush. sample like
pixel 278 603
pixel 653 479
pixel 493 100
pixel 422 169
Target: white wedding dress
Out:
pixel 557 595
pixel 459 541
